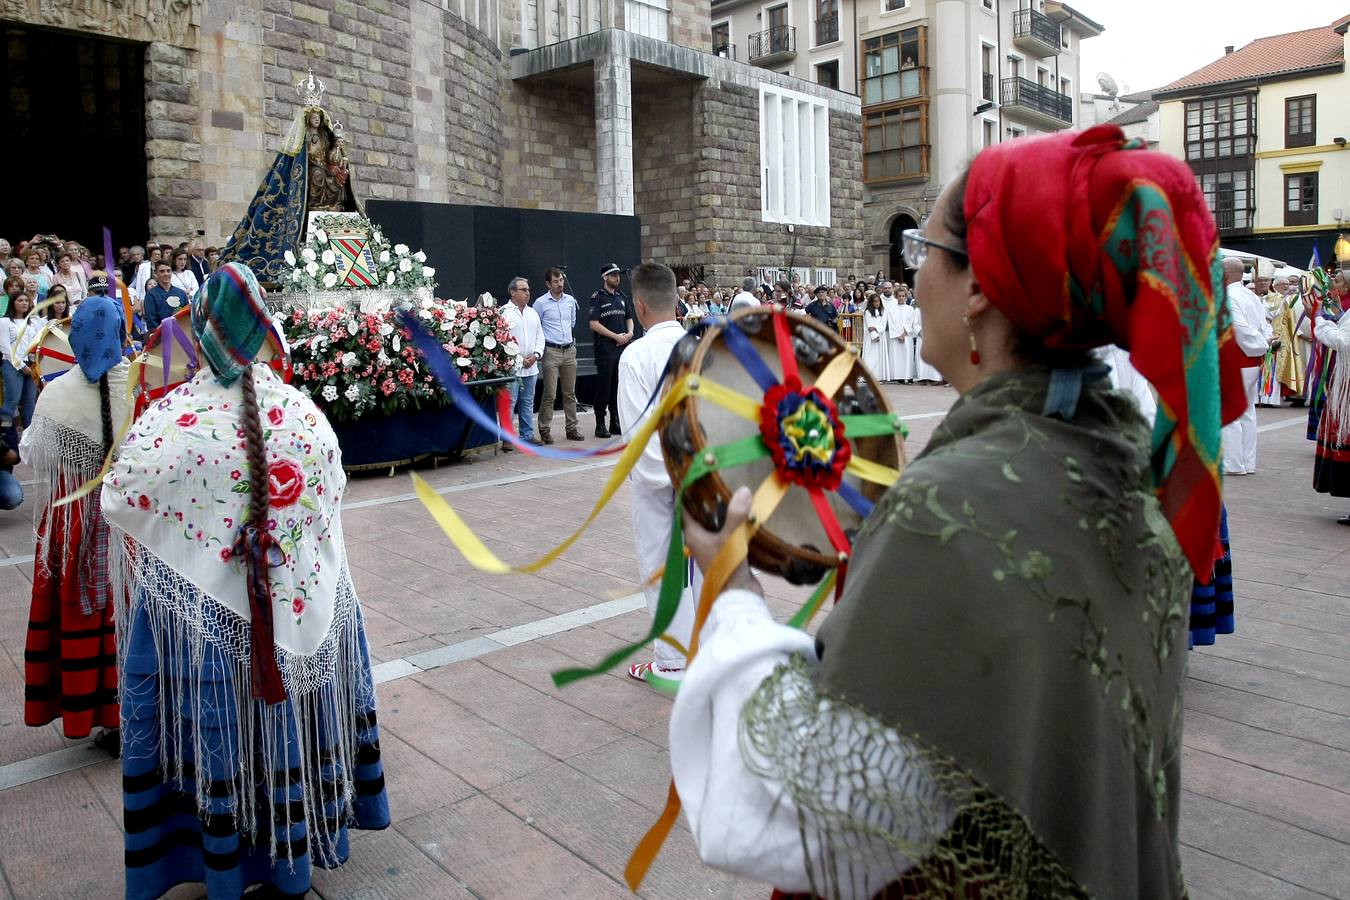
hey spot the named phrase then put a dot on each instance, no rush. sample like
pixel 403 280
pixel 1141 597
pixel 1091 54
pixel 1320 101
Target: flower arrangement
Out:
pixel 355 364
pixel 314 267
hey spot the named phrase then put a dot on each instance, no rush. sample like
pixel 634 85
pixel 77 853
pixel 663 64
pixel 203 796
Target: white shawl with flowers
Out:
pixel 180 491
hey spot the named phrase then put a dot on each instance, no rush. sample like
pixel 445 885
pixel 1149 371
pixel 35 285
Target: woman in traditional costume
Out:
pixel 248 709
pixel 994 707
pixel 70 659
pixel 1331 466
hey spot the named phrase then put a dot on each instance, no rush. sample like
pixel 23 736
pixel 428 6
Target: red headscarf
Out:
pixel 1084 239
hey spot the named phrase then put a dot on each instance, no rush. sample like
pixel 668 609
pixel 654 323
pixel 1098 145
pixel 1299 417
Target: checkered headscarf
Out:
pixel 230 320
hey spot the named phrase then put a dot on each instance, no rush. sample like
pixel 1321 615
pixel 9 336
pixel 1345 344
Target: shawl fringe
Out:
pixel 307 741
pixel 65 458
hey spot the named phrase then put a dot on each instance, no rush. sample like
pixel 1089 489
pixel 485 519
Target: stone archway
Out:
pixel 898 270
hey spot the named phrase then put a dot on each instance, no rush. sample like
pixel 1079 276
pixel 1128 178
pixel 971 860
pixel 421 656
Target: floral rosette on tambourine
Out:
pixel 355 364
pixel 318 264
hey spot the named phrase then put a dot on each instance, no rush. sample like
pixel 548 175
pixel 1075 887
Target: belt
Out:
pixel 556 346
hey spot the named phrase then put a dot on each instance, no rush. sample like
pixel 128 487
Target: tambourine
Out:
pixel 157 378
pixel 794 541
pixel 54 354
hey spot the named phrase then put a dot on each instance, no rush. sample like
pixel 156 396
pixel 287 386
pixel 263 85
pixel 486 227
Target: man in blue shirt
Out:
pixel 558 314
pixel 162 299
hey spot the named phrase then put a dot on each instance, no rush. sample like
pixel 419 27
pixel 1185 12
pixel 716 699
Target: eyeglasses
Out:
pixel 914 247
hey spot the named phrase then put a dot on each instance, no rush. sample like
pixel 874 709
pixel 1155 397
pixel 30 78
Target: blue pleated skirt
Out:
pixel 1212 602
pixel 171 840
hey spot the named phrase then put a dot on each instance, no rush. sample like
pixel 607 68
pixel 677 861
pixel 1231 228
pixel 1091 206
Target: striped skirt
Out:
pixel 1212 602
pixel 69 659
pixel 182 813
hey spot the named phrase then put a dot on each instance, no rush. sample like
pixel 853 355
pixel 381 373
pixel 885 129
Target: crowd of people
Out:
pixel 890 754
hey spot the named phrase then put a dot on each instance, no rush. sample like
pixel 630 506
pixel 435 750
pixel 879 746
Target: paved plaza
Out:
pixel 503 786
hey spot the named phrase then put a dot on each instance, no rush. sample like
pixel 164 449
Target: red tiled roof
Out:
pixel 1277 54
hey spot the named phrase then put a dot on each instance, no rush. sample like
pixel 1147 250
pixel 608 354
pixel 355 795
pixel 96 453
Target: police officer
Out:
pixel 612 321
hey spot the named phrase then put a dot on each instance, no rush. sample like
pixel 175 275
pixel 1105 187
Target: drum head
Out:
pixel 54 354
pixel 156 381
pixel 794 534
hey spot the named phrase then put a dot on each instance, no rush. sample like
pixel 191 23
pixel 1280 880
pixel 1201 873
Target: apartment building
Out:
pixel 937 79
pixel 1264 128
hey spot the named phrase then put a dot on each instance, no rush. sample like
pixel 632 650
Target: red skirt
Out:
pixel 1331 464
pixel 70 660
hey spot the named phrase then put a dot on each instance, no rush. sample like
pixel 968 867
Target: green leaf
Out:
pixel 308 503
pixel 240 487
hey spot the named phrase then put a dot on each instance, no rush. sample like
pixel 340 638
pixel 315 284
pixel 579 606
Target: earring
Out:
pixel 974 351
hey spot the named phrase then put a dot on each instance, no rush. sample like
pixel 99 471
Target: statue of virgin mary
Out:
pixel 311 173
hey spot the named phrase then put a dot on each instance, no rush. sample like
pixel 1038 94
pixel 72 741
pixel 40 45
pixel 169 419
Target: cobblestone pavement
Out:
pixel 503 786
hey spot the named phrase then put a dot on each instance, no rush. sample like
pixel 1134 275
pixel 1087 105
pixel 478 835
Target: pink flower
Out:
pixel 236 475
pixel 225 554
pixel 143 501
pixel 275 416
pixel 298 605
pixel 187 420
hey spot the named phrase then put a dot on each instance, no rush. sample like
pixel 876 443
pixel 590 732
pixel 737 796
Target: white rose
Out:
pixel 390 279
pixel 328 258
pixel 386 328
pixel 447 325
pixel 377 236
pixel 330 393
pixel 469 341
pixel 297 275
pixel 489 342
pixel 401 249
pixel 352 327
pixel 321 236
pixel 428 303
pixel 290 258
pixel 475 328
pixel 405 265
pixel 348 359
pixel 308 255
pixel 428 271
pixel 512 348
pixel 384 256
pixel 329 280
pixel 352 393
pixel 420 256
pixel 383 359
pixel 463 361
pixel 312 269
pixel 397 343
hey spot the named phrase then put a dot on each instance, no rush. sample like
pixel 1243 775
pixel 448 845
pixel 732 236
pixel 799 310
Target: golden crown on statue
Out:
pixel 311 90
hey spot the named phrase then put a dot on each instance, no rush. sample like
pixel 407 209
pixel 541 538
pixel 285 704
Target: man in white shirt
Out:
pixel 529 335
pixel 653 497
pixel 557 311
pixel 746 298
pixel 1254 335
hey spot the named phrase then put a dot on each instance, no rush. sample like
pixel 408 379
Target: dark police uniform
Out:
pixel 613 311
pixel 823 311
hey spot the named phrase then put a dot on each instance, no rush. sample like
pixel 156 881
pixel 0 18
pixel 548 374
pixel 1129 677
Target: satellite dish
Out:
pixel 1108 84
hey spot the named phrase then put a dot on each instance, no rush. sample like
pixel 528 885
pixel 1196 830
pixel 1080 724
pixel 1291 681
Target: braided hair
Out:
pixel 251 422
pixel 105 408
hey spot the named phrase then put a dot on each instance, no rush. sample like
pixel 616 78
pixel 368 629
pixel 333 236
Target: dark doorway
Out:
pixel 898 270
pixel 73 121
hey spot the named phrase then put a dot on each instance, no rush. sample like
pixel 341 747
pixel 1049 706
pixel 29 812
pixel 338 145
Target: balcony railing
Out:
pixel 1035 32
pixel 1041 103
pixel 726 51
pixel 827 29
pixel 987 86
pixel 773 43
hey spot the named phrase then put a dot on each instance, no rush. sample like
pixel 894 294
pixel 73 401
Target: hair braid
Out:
pixel 257 452
pixel 105 407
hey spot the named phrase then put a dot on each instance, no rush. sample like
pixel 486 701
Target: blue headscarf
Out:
pixel 96 332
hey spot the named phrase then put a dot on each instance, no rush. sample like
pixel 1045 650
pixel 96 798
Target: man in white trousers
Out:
pixel 1254 335
pixel 653 497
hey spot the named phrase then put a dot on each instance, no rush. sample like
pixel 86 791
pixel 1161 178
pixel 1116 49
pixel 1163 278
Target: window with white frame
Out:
pixel 650 18
pixel 794 152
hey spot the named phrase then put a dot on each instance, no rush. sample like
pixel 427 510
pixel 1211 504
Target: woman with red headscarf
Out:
pixel 994 707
